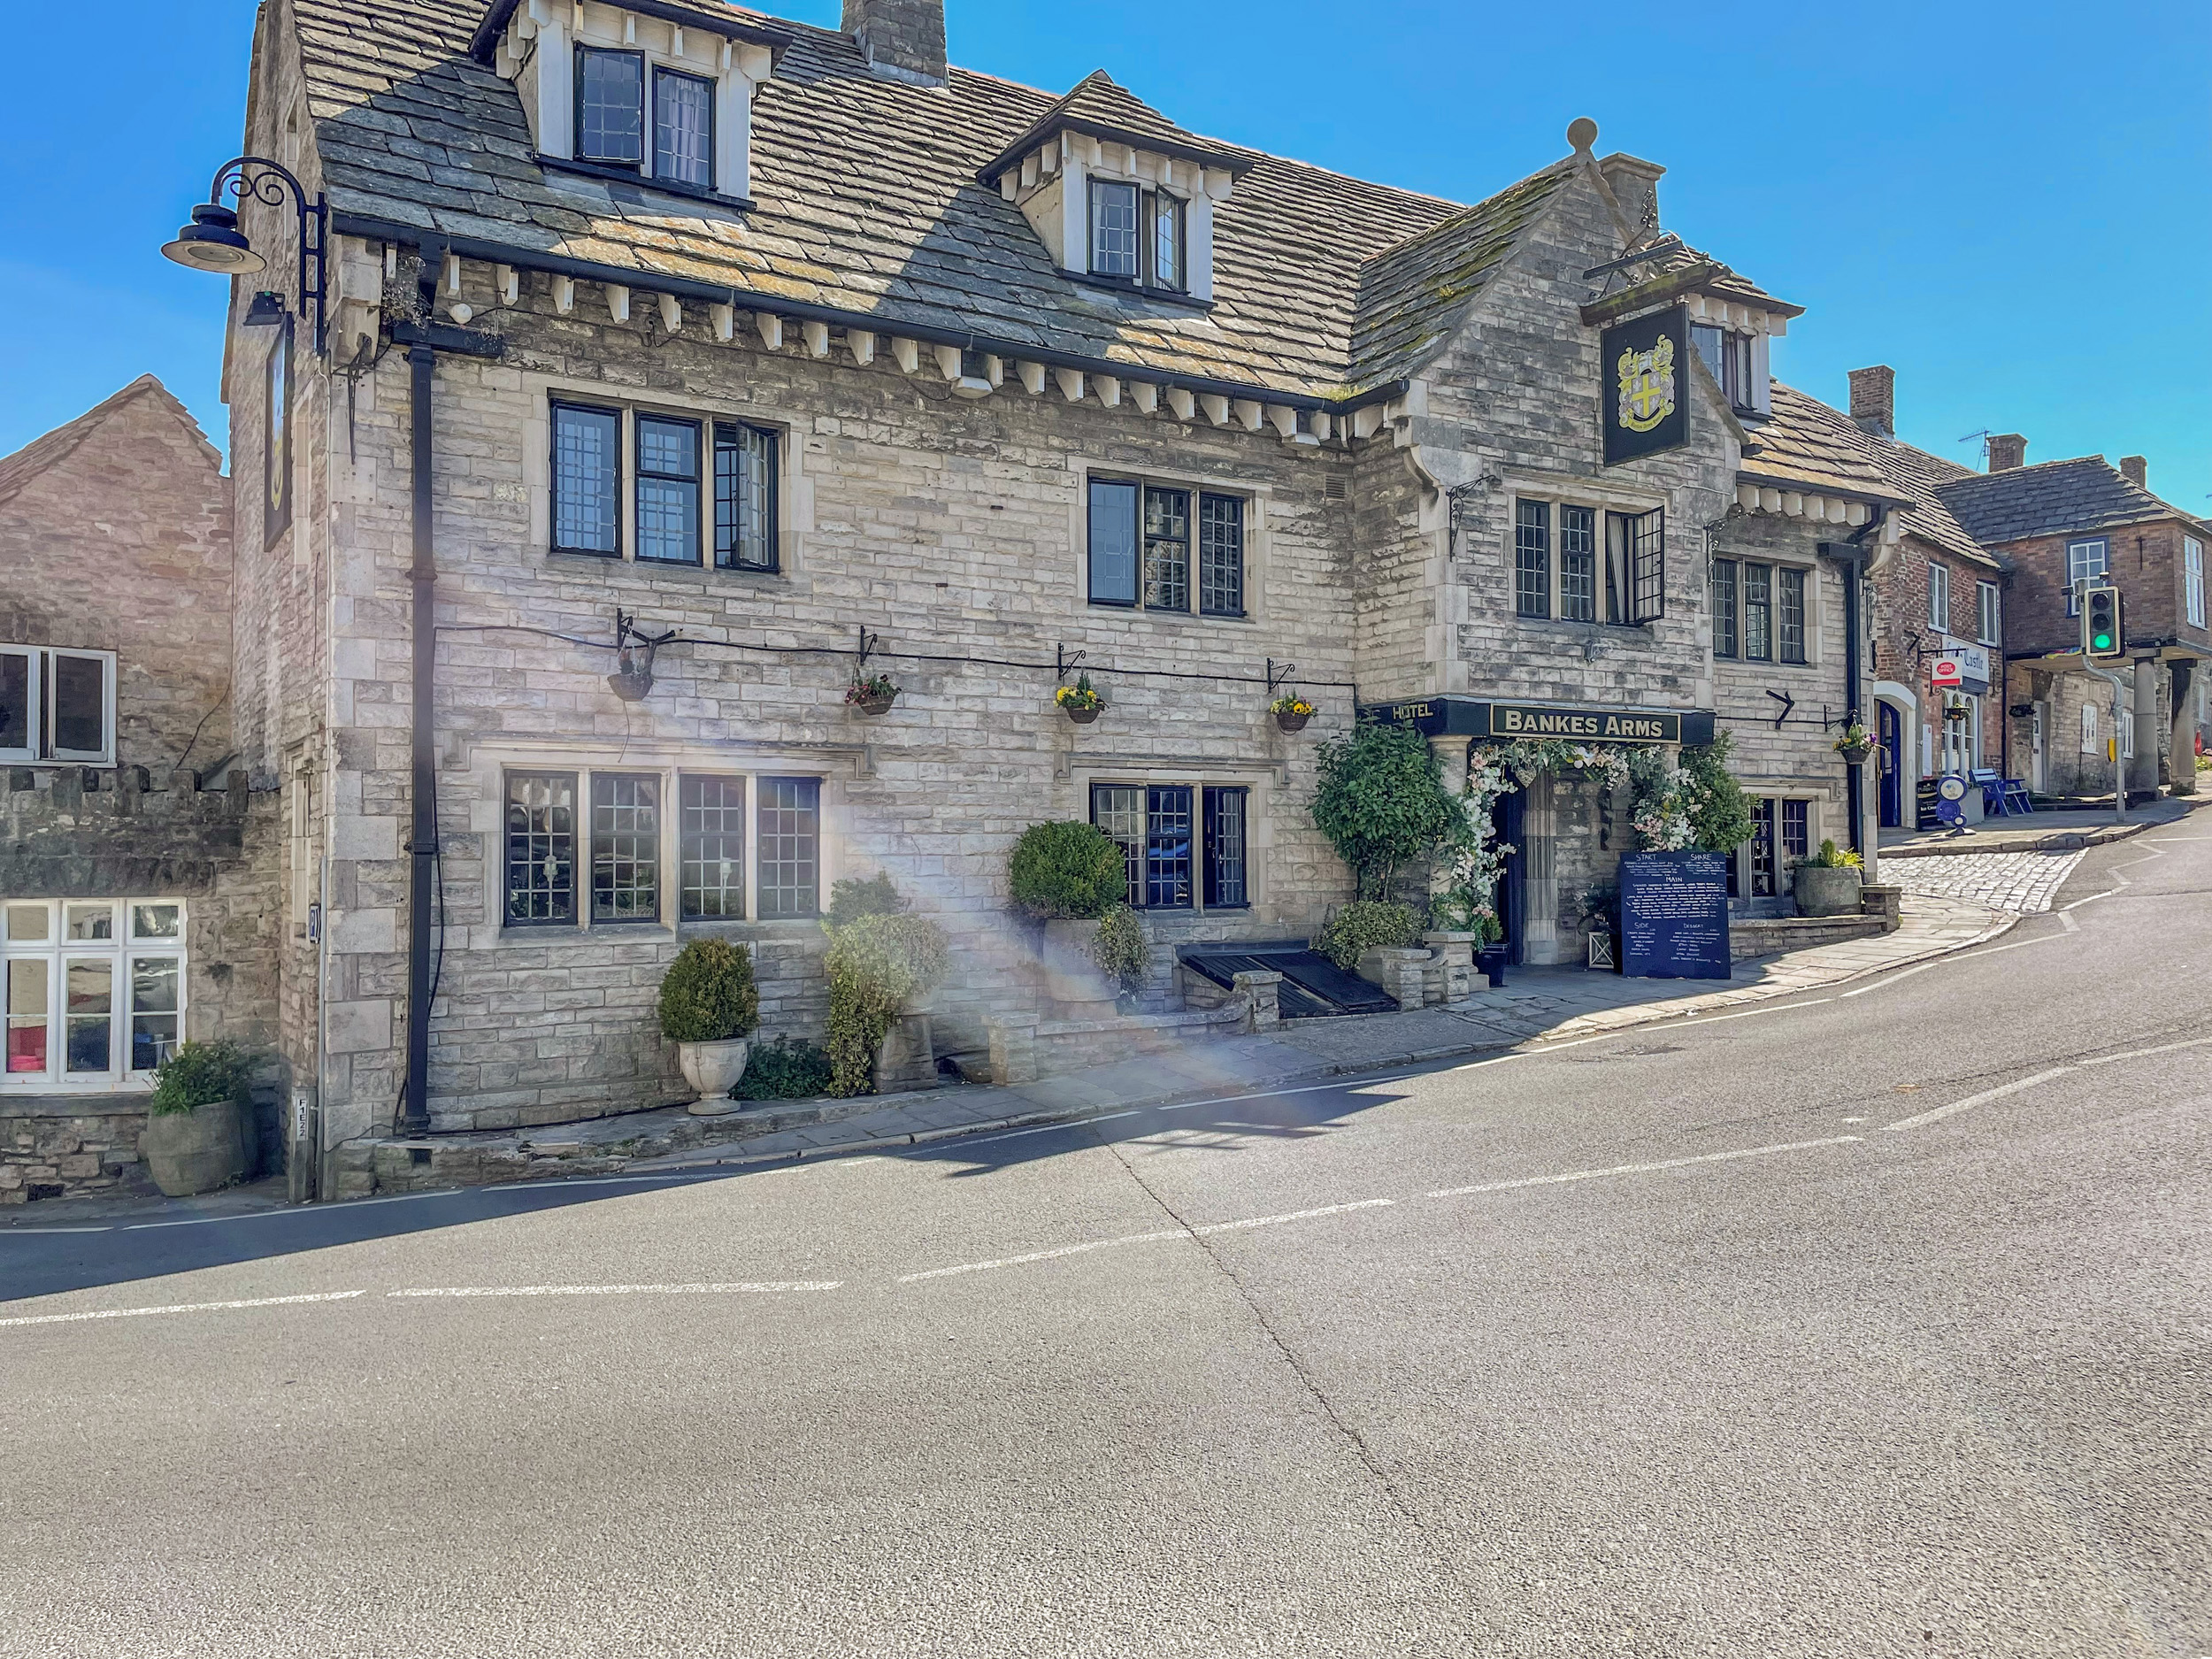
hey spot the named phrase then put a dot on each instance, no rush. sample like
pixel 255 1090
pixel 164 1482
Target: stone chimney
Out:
pixel 2007 450
pixel 1874 400
pixel 2135 469
pixel 903 40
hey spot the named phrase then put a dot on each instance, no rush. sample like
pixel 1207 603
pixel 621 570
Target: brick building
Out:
pixel 740 343
pixel 2060 525
pixel 136 861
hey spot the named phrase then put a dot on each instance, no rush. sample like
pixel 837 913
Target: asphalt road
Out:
pixel 1873 1324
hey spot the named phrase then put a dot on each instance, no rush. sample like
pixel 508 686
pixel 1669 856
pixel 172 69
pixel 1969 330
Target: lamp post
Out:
pixel 213 242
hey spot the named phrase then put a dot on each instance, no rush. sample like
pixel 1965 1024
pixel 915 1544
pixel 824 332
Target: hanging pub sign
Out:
pixel 1963 666
pixel 1647 392
pixel 1452 715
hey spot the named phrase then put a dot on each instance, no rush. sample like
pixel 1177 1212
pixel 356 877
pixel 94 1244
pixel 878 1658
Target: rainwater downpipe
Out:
pixel 422 845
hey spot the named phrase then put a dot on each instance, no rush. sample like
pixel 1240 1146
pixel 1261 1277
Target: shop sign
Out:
pixel 1646 365
pixel 1962 666
pixel 1573 723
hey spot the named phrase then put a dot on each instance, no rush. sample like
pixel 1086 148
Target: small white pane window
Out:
pixel 1986 611
pixel 1940 598
pixel 156 921
pixel 2192 579
pixel 86 1007
pixel 2085 562
pixel 1114 242
pixel 88 922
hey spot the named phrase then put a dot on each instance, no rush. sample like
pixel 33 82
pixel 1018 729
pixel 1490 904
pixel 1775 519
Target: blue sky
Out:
pixel 2007 204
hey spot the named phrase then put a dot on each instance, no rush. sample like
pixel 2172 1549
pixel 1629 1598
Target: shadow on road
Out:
pixel 44 1263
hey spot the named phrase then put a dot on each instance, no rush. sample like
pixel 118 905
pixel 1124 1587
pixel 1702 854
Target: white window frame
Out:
pixel 670 845
pixel 2091 743
pixel 2085 561
pixel 39 728
pixel 121 950
pixel 1988 612
pixel 1939 597
pixel 2192 580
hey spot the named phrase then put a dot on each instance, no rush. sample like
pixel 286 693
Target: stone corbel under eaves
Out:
pixel 1819 507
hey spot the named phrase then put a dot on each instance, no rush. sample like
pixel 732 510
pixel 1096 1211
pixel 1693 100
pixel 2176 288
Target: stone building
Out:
pixel 685 364
pixel 136 908
pixel 2060 525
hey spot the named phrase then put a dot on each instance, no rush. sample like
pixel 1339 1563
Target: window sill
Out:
pixel 562 556
pixel 643 182
pixel 1610 630
pixel 1763 665
pixel 1243 619
pixel 1133 290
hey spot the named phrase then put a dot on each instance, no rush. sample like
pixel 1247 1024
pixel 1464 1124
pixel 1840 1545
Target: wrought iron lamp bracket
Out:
pixel 257 179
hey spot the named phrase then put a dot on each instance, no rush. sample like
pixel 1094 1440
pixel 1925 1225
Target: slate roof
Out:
pixel 51 449
pixel 2051 498
pixel 866 199
pixel 1104 108
pixel 1805 442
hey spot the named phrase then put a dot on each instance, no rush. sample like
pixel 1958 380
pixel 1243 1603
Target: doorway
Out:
pixel 1508 814
pixel 1891 736
pixel 2039 773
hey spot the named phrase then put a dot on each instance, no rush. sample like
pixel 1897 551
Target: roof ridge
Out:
pixel 52 448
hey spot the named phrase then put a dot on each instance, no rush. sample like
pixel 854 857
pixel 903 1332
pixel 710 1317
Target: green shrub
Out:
pixel 1120 950
pixel 853 898
pixel 1831 857
pixel 875 964
pixel 1720 811
pixel 1382 803
pixel 200 1074
pixel 708 994
pixel 1367 925
pixel 1068 870
pixel 786 1069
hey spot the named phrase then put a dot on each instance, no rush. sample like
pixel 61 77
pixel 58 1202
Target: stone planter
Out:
pixel 196 1151
pixel 1824 892
pixel 1451 967
pixel 1293 722
pixel 1071 974
pixel 1081 716
pixel 713 1068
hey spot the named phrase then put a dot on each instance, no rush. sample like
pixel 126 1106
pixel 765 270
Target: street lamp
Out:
pixel 213 242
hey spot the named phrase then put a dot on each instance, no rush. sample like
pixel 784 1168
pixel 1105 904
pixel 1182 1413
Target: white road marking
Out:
pixel 1042 1255
pixel 761 1287
pixel 186 1307
pixel 1999 1092
pixel 1646 1169
pixel 1295 1215
pixel 2164 1048
pixel 9 1232
pixel 1713 1019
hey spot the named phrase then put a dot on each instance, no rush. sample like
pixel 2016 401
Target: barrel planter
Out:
pixel 1823 891
pixel 196 1151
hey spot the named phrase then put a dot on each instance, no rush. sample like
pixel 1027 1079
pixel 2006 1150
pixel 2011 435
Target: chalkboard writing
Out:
pixel 1674 916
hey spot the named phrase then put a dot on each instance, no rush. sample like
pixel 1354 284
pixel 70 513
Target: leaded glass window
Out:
pixel 1113 542
pixel 1221 555
pixel 541 848
pixel 668 489
pixel 712 832
pixel 1790 623
pixel 1225 887
pixel 1531 559
pixel 1167 852
pixel 683 128
pixel 1117 809
pixel 625 847
pixel 1114 236
pixel 1167 550
pixel 1726 641
pixel 745 508
pixel 1578 564
pixel 790 842
pixel 610 107
pixel 1758 613
pixel 587 480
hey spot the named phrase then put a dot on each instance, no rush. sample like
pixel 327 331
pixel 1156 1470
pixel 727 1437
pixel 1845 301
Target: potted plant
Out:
pixel 1855 743
pixel 1080 702
pixel 1291 711
pixel 195 1138
pixel 1490 955
pixel 1827 883
pixel 870 695
pixel 1601 925
pixel 708 1005
pixel 1069 875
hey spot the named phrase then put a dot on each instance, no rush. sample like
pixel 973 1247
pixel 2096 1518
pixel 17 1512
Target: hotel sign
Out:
pixel 1646 365
pixel 1575 723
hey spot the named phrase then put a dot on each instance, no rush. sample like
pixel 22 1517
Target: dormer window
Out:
pixel 683 128
pixel 1137 235
pixel 610 117
pixel 1729 356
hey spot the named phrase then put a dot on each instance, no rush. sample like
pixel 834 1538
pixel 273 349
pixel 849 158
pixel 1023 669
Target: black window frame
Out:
pixel 1790 620
pixel 1724 581
pixel 636 838
pixel 277 470
pixel 693 841
pixel 1125 504
pixel 1731 359
pixel 771 491
pixel 1171 811
pixel 554 917
pixel 639 476
pixel 1578 564
pixel 1094 197
pixel 1761 577
pixel 1531 559
pixel 1205 535
pixel 642 162
pixel 662 71
pixel 1228 869
pixel 812 787
pixel 557 407
pixel 1095 489
pixel 1167 534
pixel 1795 828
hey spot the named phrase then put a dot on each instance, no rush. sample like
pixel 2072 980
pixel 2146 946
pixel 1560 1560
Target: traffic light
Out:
pixel 2101 633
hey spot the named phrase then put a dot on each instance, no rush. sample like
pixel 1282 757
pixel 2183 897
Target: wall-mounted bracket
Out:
pixel 1067 661
pixel 1787 701
pixel 1278 673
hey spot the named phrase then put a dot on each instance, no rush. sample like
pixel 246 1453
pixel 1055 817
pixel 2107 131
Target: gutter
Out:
pixel 715 22
pixel 715 294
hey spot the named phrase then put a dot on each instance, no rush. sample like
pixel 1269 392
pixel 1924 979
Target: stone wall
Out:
pixel 65 1147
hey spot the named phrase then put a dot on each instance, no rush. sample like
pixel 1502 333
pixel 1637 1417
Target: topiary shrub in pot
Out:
pixel 709 1004
pixel 1068 875
pixel 1364 926
pixel 195 1138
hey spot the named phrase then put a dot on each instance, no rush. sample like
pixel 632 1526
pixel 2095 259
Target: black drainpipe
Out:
pixel 1851 554
pixel 422 360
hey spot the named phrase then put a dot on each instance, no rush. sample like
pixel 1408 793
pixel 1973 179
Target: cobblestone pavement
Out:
pixel 2023 883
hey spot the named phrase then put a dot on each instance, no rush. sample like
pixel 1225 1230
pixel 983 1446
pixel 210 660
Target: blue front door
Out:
pixel 1892 761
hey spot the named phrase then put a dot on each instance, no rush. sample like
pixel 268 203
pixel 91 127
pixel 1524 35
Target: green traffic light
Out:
pixel 2101 642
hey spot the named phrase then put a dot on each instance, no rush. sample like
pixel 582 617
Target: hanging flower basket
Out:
pixel 1855 743
pixel 1291 711
pixel 872 695
pixel 1080 702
